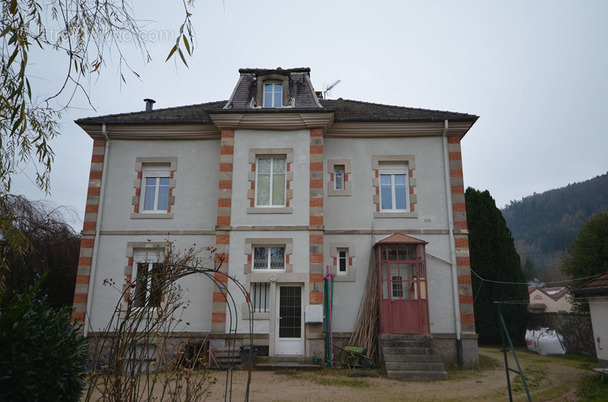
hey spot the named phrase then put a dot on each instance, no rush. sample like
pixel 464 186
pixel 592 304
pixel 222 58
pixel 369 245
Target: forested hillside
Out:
pixel 543 225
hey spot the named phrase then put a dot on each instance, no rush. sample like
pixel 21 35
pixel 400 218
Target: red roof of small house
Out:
pixel 399 238
pixel 596 286
pixel 555 293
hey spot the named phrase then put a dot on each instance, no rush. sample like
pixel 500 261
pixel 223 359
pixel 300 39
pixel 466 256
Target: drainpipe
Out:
pixel 97 227
pixel 448 192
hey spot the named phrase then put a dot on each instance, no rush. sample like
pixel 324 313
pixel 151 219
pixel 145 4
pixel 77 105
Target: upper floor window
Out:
pixel 156 185
pixel 339 179
pixel 270 183
pixel 394 185
pixel 273 95
pixel 339 183
pixel 394 188
pixel 269 258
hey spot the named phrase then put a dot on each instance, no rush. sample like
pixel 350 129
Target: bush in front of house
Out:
pixel 42 355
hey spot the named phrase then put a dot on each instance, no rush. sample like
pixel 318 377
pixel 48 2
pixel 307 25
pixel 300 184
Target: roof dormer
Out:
pixel 260 89
pixel 272 91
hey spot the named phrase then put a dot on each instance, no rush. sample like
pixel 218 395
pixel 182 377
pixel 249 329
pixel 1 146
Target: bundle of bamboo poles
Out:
pixel 366 328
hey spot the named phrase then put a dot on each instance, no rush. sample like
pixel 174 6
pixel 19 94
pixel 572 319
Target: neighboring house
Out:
pixel 284 183
pixel 549 300
pixel 596 293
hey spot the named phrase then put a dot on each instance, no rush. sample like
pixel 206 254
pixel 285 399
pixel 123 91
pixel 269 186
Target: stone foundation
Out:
pixel 449 348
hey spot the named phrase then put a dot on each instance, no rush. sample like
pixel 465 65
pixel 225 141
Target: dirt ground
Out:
pixel 548 378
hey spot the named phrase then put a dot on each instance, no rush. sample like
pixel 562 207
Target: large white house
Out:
pixel 284 183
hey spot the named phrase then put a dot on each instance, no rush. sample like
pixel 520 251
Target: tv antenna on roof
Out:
pixel 329 88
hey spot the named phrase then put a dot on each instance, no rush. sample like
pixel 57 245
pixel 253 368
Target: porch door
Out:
pixel 404 302
pixel 290 334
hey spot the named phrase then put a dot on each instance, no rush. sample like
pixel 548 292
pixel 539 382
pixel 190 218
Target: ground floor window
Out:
pixel 148 284
pixel 269 258
pixel 260 297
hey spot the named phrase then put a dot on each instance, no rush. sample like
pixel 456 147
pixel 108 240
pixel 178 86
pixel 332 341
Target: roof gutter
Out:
pixel 448 193
pixel 102 191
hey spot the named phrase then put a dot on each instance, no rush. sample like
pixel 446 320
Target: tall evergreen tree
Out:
pixel 493 258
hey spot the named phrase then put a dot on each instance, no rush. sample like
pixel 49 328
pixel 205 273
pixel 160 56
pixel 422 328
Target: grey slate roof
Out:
pixel 173 115
pixel 350 110
pixel 300 88
pixel 345 111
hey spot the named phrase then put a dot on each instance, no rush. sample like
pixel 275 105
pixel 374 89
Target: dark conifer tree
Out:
pixel 493 258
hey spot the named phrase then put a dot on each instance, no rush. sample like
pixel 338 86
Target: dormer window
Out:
pixel 272 91
pixel 273 95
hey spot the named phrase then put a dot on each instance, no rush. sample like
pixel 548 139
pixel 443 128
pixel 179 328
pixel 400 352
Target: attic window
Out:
pixel 273 95
pixel 272 91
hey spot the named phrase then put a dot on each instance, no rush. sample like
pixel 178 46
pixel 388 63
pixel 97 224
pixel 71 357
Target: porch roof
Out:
pixel 399 238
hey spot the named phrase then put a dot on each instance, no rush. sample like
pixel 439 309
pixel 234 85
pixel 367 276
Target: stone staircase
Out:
pixel 412 358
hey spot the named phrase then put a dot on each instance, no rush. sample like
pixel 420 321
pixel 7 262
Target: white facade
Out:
pixel 212 183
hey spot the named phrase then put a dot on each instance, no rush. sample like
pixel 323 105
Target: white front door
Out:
pixel 290 329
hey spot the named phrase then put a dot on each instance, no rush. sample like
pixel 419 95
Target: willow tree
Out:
pixel 53 254
pixel 84 33
pixel 497 274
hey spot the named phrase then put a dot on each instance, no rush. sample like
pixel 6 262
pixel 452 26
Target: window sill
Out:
pixel 339 193
pixel 268 271
pixel 152 215
pixel 350 277
pixel 269 210
pixel 381 215
pixel 261 316
pixel 256 316
pixel 149 313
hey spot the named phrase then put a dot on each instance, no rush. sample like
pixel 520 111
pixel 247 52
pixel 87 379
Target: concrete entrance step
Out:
pixel 286 365
pixel 412 358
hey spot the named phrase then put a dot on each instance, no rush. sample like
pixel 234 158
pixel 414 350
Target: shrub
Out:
pixel 42 355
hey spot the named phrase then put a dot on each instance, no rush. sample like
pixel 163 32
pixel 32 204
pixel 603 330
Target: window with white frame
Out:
pixel 343 261
pixel 394 188
pixel 270 182
pixel 148 278
pixel 260 297
pixel 156 181
pixel 268 258
pixel 342 268
pixel 273 95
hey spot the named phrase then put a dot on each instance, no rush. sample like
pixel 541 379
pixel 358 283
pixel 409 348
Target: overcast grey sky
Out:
pixel 536 72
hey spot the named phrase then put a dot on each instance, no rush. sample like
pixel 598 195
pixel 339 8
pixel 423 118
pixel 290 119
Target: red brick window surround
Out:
pixel 138 253
pixel 407 163
pixel 160 186
pixel 340 172
pixel 276 155
pixel 250 246
pixel 338 250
